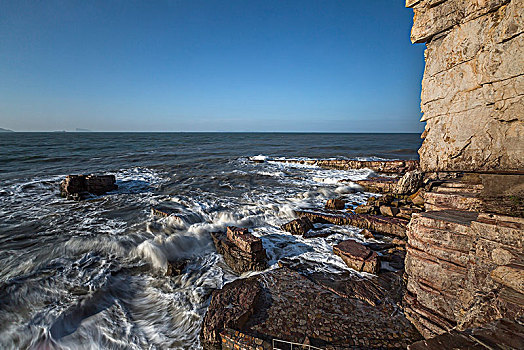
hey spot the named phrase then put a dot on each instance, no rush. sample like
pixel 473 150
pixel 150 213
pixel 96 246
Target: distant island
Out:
pixel 5 130
pixel 82 130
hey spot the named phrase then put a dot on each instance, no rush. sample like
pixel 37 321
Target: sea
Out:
pixel 92 274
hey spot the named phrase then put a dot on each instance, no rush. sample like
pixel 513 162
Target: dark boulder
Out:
pixel 299 226
pixel 79 187
pixel 241 250
pixel 335 204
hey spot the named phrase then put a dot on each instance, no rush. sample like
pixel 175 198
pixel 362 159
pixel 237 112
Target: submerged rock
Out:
pixel 79 187
pixel 241 250
pixel 299 226
pixel 357 256
pixel 175 268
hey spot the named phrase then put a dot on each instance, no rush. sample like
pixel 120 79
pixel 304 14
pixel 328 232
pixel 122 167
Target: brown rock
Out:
pixel 243 239
pixel 389 211
pixel 367 234
pixel 230 307
pixel 79 187
pixel 298 226
pixel 378 184
pixel 417 198
pixel 379 166
pixel 239 260
pixel 357 256
pixel 335 204
pixel 364 209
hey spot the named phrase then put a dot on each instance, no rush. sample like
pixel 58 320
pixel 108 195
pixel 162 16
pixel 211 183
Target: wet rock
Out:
pixel 410 182
pixel 175 268
pixel 299 226
pixel 357 256
pixel 79 187
pixel 243 239
pixel 367 234
pixel 241 250
pixel 335 204
pixel 230 307
pixel 176 214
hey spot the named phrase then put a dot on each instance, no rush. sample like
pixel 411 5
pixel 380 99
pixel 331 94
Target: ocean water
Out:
pixel 91 274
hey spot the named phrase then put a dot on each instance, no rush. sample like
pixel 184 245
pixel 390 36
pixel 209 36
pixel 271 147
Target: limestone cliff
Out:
pixel 465 259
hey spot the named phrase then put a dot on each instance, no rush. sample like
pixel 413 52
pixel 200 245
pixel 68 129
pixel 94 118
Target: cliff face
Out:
pixel 465 259
pixel 473 85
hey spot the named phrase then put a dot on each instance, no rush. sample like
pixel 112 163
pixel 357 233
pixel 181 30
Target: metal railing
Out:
pixel 287 345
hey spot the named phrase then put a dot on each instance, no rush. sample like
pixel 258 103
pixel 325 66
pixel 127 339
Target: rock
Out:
pixel 418 198
pixel 379 166
pixel 378 184
pixel 299 226
pixel 364 209
pixel 242 253
pixel 243 239
pixel 291 306
pixel 381 224
pixel 367 234
pixel 230 307
pixel 357 256
pixel 409 183
pixel 79 187
pixel 175 268
pixel 335 204
pixel 454 280
pixel 501 334
pixel 406 212
pixel 471 96
pixel 389 211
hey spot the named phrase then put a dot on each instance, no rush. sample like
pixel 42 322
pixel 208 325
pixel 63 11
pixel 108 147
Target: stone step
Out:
pixel 434 201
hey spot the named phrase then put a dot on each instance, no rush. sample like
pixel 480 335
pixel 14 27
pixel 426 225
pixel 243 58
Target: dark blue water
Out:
pixel 91 274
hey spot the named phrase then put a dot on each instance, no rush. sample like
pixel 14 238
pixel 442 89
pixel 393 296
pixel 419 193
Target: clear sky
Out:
pixel 225 65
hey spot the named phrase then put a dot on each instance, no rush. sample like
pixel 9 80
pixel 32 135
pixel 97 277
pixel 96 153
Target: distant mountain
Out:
pixel 82 130
pixel 5 130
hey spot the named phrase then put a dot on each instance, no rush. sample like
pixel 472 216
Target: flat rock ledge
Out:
pixel 357 256
pixel 241 250
pixel 284 304
pixel 379 166
pixel 78 187
pixel 381 224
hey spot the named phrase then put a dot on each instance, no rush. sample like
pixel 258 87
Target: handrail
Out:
pixel 297 345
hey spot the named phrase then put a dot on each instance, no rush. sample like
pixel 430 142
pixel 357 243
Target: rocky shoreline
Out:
pixel 327 310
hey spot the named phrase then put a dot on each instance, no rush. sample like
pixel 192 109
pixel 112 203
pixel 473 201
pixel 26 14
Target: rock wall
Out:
pixel 473 84
pixel 465 260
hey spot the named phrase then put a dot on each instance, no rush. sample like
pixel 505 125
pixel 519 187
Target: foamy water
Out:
pixel 91 274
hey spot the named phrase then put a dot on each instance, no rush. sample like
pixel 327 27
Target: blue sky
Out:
pixel 326 66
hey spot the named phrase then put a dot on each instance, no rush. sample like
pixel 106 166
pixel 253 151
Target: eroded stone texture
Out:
pixel 464 269
pixel 300 226
pixel 294 308
pixel 473 84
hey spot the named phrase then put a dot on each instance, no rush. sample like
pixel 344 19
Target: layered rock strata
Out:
pixel 465 260
pixel 79 187
pixel 357 256
pixel 379 166
pixel 241 250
